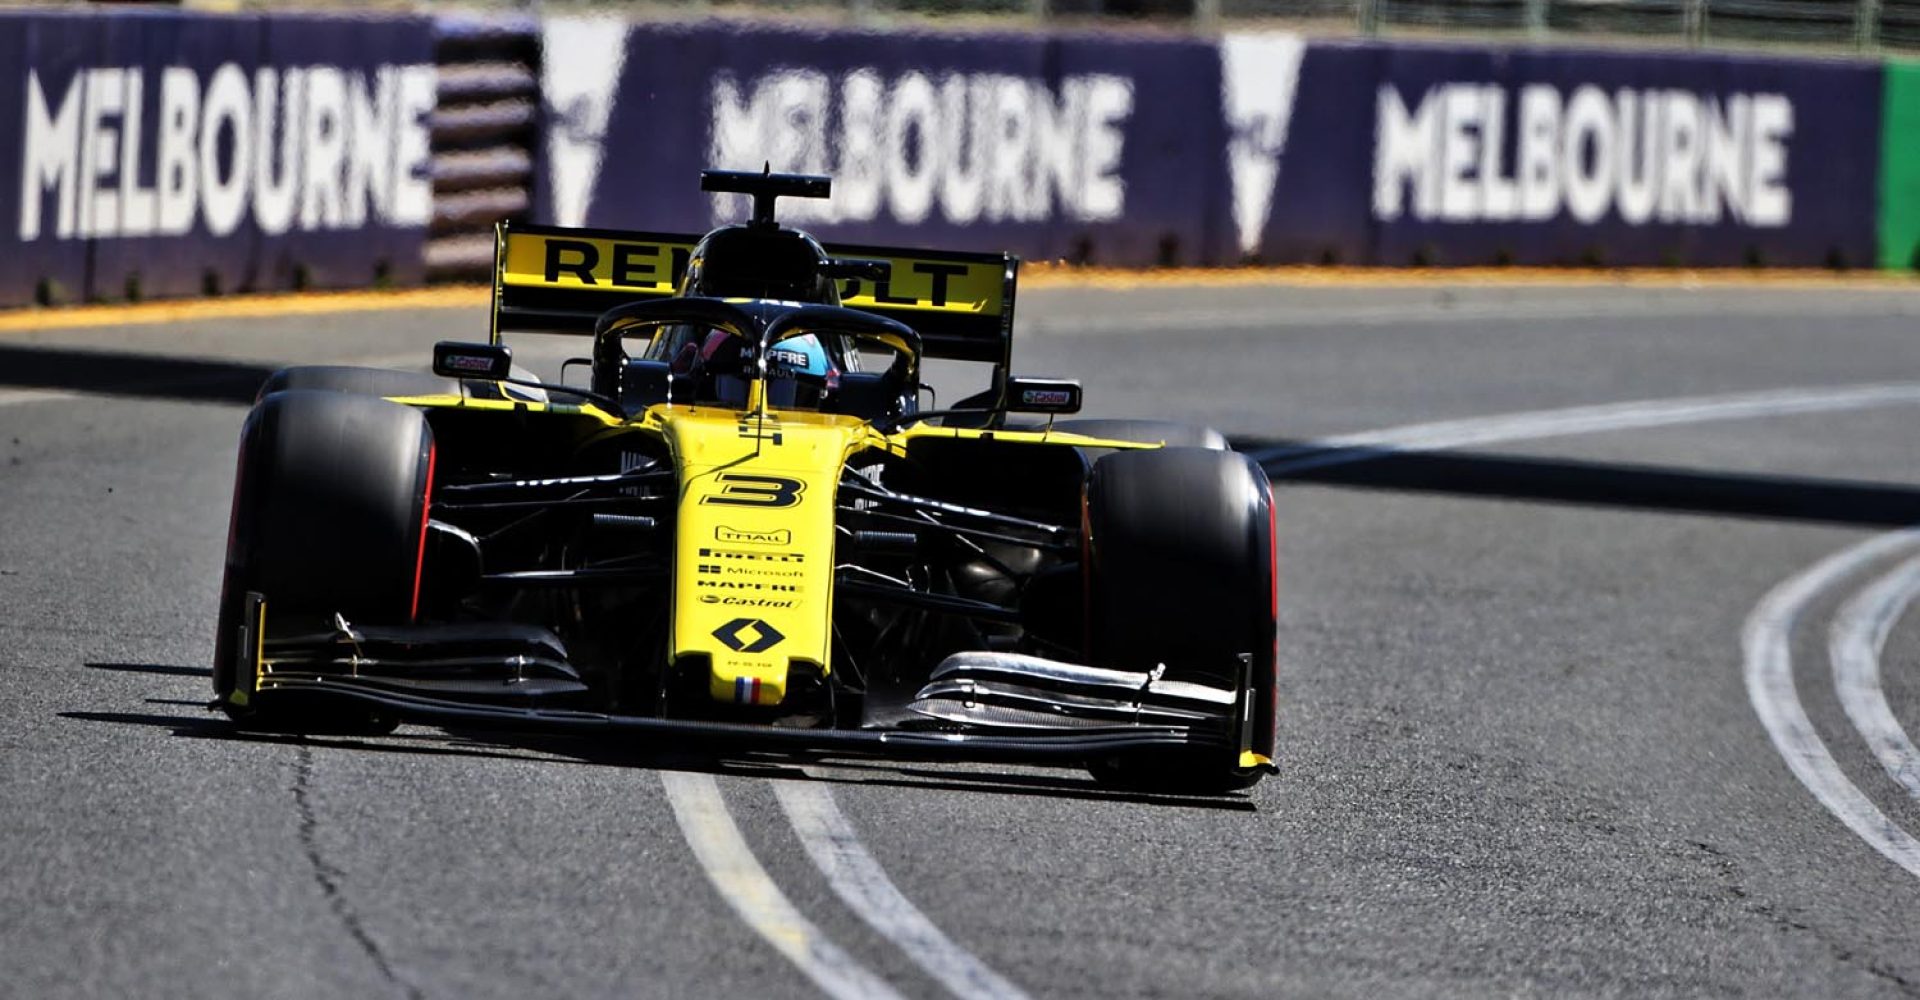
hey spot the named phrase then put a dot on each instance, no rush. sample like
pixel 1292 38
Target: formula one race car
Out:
pixel 744 534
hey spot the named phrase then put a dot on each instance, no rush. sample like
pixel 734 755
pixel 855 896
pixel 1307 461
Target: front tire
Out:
pixel 329 512
pixel 1181 573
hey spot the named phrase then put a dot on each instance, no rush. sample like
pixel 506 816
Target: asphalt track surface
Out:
pixel 1526 747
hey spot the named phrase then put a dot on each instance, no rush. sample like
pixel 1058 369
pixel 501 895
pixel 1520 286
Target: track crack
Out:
pixel 329 877
pixel 1782 919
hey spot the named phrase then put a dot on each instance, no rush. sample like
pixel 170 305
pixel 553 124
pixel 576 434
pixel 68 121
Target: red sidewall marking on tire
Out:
pixel 426 512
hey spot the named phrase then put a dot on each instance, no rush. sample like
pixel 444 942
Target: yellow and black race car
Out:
pixel 744 534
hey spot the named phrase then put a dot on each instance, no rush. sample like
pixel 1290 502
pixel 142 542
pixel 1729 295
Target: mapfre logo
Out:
pixel 735 536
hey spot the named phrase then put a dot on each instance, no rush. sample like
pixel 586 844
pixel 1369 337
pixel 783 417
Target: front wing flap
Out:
pixel 1066 748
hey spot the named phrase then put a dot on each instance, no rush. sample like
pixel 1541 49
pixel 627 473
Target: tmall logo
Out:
pixel 1260 74
pixel 736 536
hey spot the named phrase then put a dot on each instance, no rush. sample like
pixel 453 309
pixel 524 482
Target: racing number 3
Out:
pixel 742 490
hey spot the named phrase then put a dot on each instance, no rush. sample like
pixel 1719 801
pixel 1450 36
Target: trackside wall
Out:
pixel 1439 154
pixel 168 153
pixel 1086 147
pixel 160 153
pixel 1137 151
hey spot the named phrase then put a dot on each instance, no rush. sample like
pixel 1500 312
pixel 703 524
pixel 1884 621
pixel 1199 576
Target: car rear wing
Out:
pixel 559 280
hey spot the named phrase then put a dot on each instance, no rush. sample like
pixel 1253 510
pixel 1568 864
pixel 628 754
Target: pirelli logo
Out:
pixel 753 557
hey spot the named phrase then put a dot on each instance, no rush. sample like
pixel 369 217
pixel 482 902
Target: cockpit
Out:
pixel 716 353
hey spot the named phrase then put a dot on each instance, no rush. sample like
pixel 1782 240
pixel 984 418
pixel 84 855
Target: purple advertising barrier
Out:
pixel 37 261
pixel 1409 154
pixel 1085 147
pixel 174 154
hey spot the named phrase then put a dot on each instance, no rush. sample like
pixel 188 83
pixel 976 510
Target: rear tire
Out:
pixel 1181 573
pixel 329 509
pixel 1161 432
pixel 358 381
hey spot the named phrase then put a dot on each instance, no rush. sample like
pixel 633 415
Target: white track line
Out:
pixel 730 865
pixel 1767 643
pixel 14 397
pixel 1854 645
pixel 833 844
pixel 1587 420
pixel 860 883
pixel 1765 640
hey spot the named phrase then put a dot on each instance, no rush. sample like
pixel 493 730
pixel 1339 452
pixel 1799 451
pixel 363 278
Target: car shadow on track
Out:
pixel 162 669
pixel 568 750
pixel 1600 484
pixel 120 373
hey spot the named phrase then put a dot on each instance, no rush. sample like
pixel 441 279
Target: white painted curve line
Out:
pixel 1432 436
pixel 14 397
pixel 1766 641
pixel 1854 645
pixel 860 883
pixel 1441 435
pixel 709 829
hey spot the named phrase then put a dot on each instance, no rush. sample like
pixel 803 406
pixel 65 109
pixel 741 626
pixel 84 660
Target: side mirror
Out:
pixel 858 268
pixel 453 359
pixel 1051 396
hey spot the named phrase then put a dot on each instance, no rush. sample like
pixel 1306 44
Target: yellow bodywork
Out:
pixel 754 526
pixel 754 543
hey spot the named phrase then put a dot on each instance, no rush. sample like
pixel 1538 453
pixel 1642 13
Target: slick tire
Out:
pixel 1181 572
pixel 1166 432
pixel 329 511
pixel 357 381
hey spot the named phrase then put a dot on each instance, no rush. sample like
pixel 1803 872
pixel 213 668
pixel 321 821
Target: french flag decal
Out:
pixel 746 690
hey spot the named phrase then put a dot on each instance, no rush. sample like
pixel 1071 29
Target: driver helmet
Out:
pixel 800 373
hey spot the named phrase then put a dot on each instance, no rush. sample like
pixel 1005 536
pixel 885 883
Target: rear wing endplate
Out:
pixel 559 280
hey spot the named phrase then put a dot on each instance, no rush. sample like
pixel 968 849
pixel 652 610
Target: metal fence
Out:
pixel 1857 25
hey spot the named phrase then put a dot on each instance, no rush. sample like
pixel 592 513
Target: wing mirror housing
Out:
pixel 454 359
pixel 1052 396
pixel 857 268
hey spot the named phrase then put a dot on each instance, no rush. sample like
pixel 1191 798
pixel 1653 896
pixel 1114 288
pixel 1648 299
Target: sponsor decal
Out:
pixel 964 287
pixel 1260 74
pixel 748 635
pixel 466 362
pixel 745 602
pixel 287 148
pixel 1046 397
pixel 787 588
pixel 1474 152
pixel 967 147
pixel 753 557
pixel 763 572
pixel 543 259
pixel 737 536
